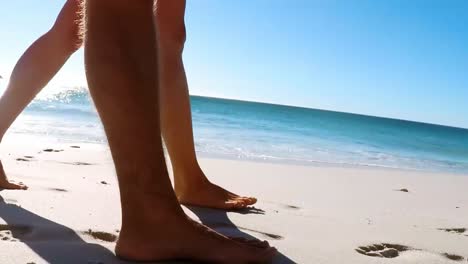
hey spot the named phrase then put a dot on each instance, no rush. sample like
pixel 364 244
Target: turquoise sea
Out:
pixel 273 133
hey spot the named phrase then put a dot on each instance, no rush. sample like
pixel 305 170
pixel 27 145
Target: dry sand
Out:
pixel 314 214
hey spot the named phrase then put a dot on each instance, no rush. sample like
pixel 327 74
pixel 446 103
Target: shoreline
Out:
pixel 46 140
pixel 323 164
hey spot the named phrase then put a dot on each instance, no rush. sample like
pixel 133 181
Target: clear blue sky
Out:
pixel 399 58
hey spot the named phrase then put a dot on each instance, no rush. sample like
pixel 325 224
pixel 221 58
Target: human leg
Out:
pixel 121 66
pixel 36 67
pixel 191 185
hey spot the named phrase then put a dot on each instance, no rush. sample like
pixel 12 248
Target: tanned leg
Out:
pixel 121 66
pixel 191 185
pixel 38 65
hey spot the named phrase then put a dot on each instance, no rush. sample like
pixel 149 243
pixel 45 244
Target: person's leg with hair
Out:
pixel 36 67
pixel 121 67
pixel 191 185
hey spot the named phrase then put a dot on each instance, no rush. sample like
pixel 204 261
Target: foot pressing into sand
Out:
pixel 186 239
pixel 9 185
pixel 203 193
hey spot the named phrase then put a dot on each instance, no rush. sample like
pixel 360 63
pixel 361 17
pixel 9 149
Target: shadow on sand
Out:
pixel 219 220
pixel 53 242
pixel 56 243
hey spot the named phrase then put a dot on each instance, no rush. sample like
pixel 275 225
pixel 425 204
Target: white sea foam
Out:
pixel 261 132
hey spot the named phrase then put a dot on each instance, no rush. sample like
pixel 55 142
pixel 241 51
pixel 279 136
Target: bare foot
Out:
pixel 185 239
pixel 207 194
pixel 9 185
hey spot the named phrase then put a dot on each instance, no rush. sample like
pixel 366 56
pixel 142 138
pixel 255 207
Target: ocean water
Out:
pixel 272 133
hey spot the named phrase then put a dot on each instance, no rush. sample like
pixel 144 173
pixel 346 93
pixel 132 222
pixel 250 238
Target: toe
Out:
pixel 235 204
pixel 250 200
pixel 247 200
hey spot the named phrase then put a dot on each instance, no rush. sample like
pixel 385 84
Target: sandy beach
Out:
pixel 312 214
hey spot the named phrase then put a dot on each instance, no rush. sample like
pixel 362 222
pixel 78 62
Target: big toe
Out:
pixel 245 201
pixel 250 200
pixel 236 204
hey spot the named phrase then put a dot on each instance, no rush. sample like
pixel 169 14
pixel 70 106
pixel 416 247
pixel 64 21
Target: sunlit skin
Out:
pixel 121 68
pixel 50 52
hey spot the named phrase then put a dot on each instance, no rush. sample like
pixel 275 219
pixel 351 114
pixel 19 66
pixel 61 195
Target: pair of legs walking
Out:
pixel 122 56
pixel 50 52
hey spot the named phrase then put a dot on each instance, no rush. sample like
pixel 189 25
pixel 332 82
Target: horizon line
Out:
pixel 333 111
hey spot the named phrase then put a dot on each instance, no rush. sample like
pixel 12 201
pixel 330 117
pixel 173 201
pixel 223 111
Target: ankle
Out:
pixel 189 179
pixel 160 212
pixel 135 222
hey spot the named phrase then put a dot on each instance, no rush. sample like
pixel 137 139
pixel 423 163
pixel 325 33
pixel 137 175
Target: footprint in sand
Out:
pixel 461 231
pixel 292 207
pixel 13 233
pixel 104 236
pixel 82 164
pixel 58 189
pixel 79 163
pixel 387 250
pixel 453 257
pixel 25 158
pixel 76 163
pixel 383 250
pixel 52 150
